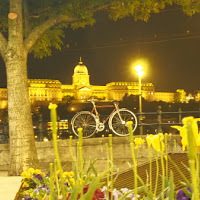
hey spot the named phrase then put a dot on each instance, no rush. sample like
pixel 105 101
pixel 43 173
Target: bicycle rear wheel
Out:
pixel 118 123
pixel 86 121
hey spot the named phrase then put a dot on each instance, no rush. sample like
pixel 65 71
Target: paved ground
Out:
pixel 9 186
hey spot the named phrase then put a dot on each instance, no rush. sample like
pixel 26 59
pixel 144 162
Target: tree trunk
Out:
pixel 23 153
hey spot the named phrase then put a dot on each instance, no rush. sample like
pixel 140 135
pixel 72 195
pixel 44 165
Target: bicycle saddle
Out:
pixel 92 100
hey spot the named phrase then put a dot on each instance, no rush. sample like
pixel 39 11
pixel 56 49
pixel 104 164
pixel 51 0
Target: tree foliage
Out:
pixel 190 7
pixel 36 13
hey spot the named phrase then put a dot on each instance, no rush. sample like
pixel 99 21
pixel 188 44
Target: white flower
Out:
pixel 124 190
pixel 116 194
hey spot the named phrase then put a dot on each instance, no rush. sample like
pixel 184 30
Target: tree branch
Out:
pixel 3 44
pixel 36 33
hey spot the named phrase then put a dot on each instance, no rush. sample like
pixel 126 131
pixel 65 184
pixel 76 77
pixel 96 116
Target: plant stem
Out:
pixel 166 153
pixel 150 167
pixel 130 130
pixel 163 173
pixel 111 159
pixel 108 166
pixel 80 144
pixel 51 181
pixel 53 113
pixel 71 152
pixel 157 174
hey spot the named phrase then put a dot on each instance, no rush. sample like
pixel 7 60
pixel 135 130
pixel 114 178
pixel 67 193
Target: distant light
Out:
pixel 155 36
pixel 45 140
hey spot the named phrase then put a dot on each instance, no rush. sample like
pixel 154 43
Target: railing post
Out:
pixel 159 118
pixel 140 123
pixel 5 133
pixel 180 116
pixel 40 128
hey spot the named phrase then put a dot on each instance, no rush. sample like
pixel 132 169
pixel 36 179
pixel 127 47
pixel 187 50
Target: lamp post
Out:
pixel 140 73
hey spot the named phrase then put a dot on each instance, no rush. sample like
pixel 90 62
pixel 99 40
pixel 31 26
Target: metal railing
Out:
pixel 152 122
pixel 160 118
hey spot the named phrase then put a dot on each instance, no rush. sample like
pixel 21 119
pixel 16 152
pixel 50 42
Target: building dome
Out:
pixel 80 68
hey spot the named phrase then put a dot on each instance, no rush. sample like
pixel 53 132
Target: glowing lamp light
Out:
pixel 139 71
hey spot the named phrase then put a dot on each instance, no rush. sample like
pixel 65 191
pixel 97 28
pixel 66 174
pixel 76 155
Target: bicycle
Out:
pixel 91 123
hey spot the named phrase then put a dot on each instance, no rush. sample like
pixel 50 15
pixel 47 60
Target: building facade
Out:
pixel 81 90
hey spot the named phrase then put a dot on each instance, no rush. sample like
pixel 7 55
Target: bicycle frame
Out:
pixel 94 110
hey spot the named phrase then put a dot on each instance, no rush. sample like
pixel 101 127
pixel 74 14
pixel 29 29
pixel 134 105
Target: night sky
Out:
pixel 109 48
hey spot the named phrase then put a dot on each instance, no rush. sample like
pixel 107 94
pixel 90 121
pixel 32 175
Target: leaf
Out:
pixel 179 171
pixel 96 183
pixel 75 192
pixel 92 168
pixel 171 186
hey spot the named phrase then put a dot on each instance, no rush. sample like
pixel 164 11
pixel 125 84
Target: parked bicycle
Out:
pixel 91 123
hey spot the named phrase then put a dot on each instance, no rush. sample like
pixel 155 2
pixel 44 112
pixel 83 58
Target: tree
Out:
pixel 37 26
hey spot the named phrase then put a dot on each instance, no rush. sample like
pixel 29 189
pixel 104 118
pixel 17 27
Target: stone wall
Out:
pixel 93 148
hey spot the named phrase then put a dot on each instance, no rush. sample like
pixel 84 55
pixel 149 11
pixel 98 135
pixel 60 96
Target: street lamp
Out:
pixel 140 73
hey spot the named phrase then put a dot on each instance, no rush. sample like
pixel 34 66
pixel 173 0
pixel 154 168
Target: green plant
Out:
pixel 86 184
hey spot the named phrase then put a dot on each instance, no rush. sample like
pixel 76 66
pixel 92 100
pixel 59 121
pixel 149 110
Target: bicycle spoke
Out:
pixel 118 123
pixel 86 121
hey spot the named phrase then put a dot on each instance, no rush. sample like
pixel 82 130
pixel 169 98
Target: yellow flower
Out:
pixel 183 131
pixel 157 142
pixel 198 140
pixel 81 181
pixel 69 174
pixel 23 173
pixel 149 140
pixel 26 174
pixel 37 171
pixel 31 170
pixel 138 141
pixel 25 185
pixel 72 181
pixel 65 173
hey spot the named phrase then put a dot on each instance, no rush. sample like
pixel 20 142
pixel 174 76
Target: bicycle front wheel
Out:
pixel 86 121
pixel 118 120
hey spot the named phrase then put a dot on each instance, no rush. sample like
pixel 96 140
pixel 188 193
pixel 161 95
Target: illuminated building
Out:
pixel 47 90
pixel 61 125
pixel 164 96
